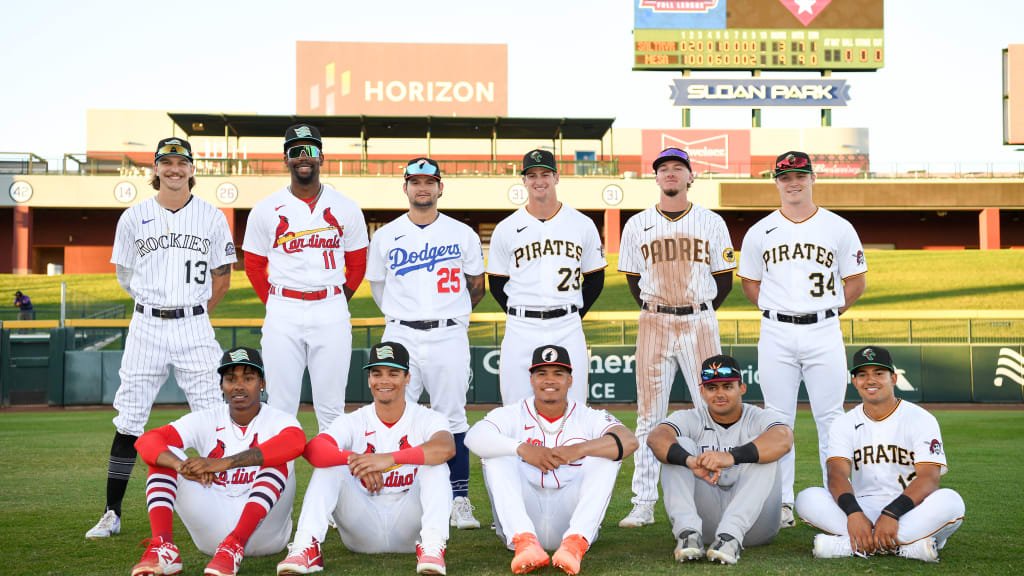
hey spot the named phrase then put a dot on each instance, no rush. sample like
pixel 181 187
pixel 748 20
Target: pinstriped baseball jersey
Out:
pixel 676 258
pixel 709 435
pixel 172 253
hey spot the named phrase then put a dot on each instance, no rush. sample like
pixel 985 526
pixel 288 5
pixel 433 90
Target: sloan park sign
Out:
pixel 758 93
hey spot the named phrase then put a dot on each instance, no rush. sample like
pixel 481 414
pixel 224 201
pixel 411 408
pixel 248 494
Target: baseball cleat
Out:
pixel 829 546
pixel 787 520
pixel 462 514
pixel 924 550
pixel 725 549
pixel 161 558
pixel 529 554
pixel 303 558
pixel 570 554
pixel 430 559
pixel 642 515
pixel 109 524
pixel 689 546
pixel 227 559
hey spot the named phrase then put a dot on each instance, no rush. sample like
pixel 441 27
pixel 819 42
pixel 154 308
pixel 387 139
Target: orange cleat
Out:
pixel 570 554
pixel 529 554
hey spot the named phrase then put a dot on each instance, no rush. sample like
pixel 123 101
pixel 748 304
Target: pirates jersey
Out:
pixel 709 435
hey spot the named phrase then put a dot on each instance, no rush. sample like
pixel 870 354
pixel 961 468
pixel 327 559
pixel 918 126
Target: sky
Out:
pixel 937 100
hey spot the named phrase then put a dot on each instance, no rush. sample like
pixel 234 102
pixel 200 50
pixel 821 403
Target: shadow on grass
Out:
pixel 868 299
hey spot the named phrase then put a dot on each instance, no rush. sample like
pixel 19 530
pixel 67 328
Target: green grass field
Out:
pixel 54 473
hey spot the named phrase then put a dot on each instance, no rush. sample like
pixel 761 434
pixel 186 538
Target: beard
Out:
pixel 670 192
pixel 314 174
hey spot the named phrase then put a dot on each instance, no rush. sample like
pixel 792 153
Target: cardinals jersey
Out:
pixel 305 250
pixel 801 265
pixel 172 253
pixel 709 435
pixel 423 268
pixel 545 260
pixel 363 432
pixel 676 258
pixel 882 453
pixel 580 424
pixel 213 434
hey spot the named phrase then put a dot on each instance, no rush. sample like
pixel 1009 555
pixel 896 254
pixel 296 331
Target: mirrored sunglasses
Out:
pixel 176 149
pixel 674 153
pixel 304 150
pixel 421 168
pixel 719 373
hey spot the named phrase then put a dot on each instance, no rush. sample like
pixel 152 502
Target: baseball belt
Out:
pixel 799 319
pixel 427 324
pixel 298 295
pixel 674 310
pixel 542 314
pixel 170 313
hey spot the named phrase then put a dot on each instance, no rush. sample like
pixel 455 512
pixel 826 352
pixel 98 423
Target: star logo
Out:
pixel 805 10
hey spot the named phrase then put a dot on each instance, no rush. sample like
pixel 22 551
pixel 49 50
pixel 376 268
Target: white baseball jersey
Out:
pixel 305 249
pixel 172 253
pixel 709 435
pixel 801 265
pixel 423 267
pixel 676 258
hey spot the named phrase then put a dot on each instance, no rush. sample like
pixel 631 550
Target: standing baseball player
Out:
pixel 545 269
pixel 235 501
pixel 803 266
pixel 550 465
pixel 380 474
pixel 722 474
pixel 426 271
pixel 892 450
pixel 305 254
pixel 678 261
pixel 173 254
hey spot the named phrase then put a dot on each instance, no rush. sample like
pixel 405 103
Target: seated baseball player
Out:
pixel 885 458
pixel 550 466
pixel 380 474
pixel 235 501
pixel 722 484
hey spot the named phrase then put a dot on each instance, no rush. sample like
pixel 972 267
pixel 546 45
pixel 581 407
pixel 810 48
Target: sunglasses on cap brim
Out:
pixel 173 149
pixel 422 169
pixel 307 150
pixel 722 373
pixel 673 153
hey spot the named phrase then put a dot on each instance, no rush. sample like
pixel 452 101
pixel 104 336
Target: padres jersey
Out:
pixel 709 435
pixel 213 434
pixel 423 267
pixel 676 258
pixel 801 265
pixel 580 424
pixel 305 250
pixel 545 261
pixel 882 453
pixel 362 432
pixel 172 253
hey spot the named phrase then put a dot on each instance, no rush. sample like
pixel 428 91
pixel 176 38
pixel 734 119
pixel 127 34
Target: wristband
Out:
pixel 746 454
pixel 409 456
pixel 617 443
pixel 677 455
pixel 898 507
pixel 848 503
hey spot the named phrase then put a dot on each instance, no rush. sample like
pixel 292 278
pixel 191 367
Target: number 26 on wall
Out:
pixel 449 280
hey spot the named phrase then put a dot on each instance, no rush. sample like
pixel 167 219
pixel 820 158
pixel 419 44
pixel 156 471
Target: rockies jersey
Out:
pixel 422 268
pixel 213 434
pixel 676 258
pixel 305 250
pixel 801 265
pixel 882 453
pixel 363 432
pixel 580 424
pixel 171 254
pixel 545 260
pixel 709 435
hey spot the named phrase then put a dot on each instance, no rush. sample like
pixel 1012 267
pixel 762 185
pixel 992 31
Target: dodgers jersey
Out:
pixel 213 434
pixel 676 258
pixel 882 453
pixel 305 250
pixel 579 424
pixel 545 260
pixel 709 435
pixel 172 253
pixel 363 432
pixel 801 265
pixel 422 268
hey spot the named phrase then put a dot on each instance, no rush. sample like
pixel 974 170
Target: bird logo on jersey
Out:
pixel 292 242
pixel 404 443
pixel 370 449
pixel 218 450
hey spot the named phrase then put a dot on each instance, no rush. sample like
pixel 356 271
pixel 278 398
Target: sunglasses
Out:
pixel 308 150
pixel 674 153
pixel 718 373
pixel 177 149
pixel 421 168
pixel 792 162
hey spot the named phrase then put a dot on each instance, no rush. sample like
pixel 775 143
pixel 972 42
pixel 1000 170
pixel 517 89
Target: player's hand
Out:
pixel 539 457
pixel 860 529
pixel 373 481
pixel 569 454
pixel 714 460
pixel 361 464
pixel 199 466
pixel 886 529
pixel 709 476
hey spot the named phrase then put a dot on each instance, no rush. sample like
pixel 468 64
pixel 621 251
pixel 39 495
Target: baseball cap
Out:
pixel 793 162
pixel 550 355
pixel 872 356
pixel 302 132
pixel 539 158
pixel 240 355
pixel 672 154
pixel 422 166
pixel 388 354
pixel 720 368
pixel 173 147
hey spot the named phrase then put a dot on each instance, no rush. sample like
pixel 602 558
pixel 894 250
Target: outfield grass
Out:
pixel 54 470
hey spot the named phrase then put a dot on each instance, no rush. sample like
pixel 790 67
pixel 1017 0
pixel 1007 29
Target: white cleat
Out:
pixel 462 514
pixel 109 524
pixel 689 546
pixel 923 550
pixel 787 519
pixel 642 515
pixel 725 549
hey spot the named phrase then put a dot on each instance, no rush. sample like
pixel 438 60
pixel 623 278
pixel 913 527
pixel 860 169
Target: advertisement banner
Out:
pixel 998 373
pixel 679 14
pixel 840 165
pixel 758 93
pixel 718 151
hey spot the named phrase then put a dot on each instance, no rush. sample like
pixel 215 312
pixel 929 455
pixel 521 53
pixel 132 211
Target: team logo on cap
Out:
pixel 869 354
pixel 385 352
pixel 303 132
pixel 536 156
pixel 175 141
pixel 239 355
pixel 549 355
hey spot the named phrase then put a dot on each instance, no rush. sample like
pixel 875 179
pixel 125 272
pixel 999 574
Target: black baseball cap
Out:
pixel 550 355
pixel 173 146
pixel 793 162
pixel 720 368
pixel 240 355
pixel 539 158
pixel 302 132
pixel 388 354
pixel 422 167
pixel 676 154
pixel 872 356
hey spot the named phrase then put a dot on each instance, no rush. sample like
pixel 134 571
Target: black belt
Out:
pixel 543 314
pixel 170 313
pixel 801 319
pixel 427 324
pixel 675 310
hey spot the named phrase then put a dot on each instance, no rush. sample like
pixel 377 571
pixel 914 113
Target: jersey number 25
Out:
pixel 449 280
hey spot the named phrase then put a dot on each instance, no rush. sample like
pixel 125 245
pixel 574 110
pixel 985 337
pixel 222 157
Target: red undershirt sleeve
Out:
pixel 256 270
pixel 157 441
pixel 355 268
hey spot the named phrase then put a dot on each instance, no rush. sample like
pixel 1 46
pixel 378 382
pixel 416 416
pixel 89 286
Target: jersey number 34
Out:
pixel 819 285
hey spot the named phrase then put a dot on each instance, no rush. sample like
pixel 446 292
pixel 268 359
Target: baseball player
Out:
pixel 305 254
pixel 803 266
pixel 722 476
pixel 892 451
pixel 550 465
pixel 24 304
pixel 545 269
pixel 237 499
pixel 678 261
pixel 173 254
pixel 380 474
pixel 426 271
